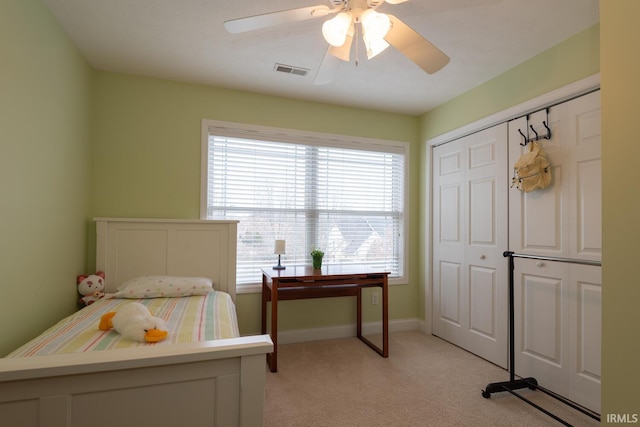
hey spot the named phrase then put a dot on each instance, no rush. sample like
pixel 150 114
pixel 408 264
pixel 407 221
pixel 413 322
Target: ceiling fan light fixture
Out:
pixel 335 30
pixel 374 47
pixel 375 27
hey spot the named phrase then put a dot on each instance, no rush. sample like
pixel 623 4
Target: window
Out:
pixel 343 195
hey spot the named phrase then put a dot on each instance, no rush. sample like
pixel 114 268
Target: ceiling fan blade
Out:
pixel 328 68
pixel 250 23
pixel 415 47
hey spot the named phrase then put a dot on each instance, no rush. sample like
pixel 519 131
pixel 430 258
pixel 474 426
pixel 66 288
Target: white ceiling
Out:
pixel 184 40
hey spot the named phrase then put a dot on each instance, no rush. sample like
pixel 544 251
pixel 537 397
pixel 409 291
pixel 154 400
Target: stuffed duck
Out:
pixel 135 322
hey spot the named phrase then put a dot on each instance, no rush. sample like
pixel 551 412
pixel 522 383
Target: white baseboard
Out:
pixel 344 331
pixel 424 326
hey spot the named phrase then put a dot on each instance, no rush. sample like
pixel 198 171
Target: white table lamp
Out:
pixel 279 249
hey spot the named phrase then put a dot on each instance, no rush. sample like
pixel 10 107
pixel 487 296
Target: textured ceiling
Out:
pixel 184 40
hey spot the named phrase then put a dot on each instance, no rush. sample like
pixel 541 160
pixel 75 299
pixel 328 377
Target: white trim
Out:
pixel 562 94
pixel 268 133
pixel 424 327
pixel 343 331
pixel 204 165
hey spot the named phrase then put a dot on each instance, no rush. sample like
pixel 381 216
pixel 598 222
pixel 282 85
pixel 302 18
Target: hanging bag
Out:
pixel 532 170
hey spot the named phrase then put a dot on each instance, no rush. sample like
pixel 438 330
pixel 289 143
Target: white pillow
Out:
pixel 164 286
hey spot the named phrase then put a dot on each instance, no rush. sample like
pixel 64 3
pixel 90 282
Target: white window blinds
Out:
pixel 333 195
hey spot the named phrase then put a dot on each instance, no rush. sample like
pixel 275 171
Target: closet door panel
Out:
pixel 588 227
pixel 485 177
pixel 470 234
pixel 487 181
pixel 449 288
pixel 541 228
pixel 542 328
pixel 536 219
pixel 586 335
pixel 482 195
pixel 563 220
pixel 541 321
pixel 583 117
pixel 483 288
pixel 558 310
pixel 449 273
pixel 450 214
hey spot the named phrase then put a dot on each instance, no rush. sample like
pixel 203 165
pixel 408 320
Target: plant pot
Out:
pixel 317 261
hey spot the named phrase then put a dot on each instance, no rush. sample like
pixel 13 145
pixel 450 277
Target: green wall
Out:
pixel 44 170
pixel 567 62
pixel 620 83
pixel 146 163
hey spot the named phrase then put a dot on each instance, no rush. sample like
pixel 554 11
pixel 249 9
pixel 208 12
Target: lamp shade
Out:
pixel 279 247
pixel 335 30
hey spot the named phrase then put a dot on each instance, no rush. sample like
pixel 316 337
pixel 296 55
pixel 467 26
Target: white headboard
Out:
pixel 133 247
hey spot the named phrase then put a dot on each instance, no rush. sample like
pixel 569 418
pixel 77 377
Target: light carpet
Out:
pixel 425 382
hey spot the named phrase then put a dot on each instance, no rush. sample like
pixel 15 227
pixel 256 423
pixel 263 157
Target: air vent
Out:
pixel 289 69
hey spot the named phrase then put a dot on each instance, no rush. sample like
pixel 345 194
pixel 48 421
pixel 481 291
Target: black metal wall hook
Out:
pixel 526 139
pixel 548 136
pixel 544 122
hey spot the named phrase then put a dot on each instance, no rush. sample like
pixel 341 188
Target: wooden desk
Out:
pixel 298 282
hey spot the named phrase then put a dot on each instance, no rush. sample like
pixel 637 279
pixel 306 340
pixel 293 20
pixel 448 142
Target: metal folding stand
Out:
pixel 531 383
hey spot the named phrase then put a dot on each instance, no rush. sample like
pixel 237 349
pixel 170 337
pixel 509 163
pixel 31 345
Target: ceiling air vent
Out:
pixel 291 69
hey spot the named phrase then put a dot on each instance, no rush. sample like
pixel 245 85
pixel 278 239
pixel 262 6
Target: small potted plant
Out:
pixel 316 258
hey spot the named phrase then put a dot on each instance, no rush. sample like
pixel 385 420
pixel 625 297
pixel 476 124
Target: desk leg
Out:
pixel 265 298
pixel 273 359
pixel 359 313
pixel 385 317
pixel 384 351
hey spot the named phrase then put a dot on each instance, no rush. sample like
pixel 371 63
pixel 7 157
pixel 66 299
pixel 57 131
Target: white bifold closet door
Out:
pixel 557 304
pixel 470 277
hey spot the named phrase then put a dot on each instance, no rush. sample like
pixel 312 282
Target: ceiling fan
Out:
pixel 378 31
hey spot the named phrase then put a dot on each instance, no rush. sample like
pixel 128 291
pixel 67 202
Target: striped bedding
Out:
pixel 194 318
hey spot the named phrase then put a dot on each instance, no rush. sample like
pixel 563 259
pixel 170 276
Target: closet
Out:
pixel 476 216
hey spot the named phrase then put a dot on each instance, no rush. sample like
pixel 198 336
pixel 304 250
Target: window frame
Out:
pixel 274 134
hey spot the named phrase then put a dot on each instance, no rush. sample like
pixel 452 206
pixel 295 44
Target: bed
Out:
pixel 210 378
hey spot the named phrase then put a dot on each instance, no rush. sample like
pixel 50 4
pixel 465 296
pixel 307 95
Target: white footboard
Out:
pixel 212 383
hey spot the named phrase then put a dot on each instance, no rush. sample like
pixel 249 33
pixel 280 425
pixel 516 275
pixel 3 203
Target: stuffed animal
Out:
pixel 135 322
pixel 91 287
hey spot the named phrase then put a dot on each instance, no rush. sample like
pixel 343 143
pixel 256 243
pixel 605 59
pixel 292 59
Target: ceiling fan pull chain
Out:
pixel 357 46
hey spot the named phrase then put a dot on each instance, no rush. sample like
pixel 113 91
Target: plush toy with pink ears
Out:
pixel 91 287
